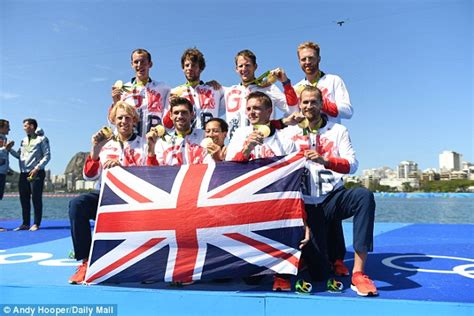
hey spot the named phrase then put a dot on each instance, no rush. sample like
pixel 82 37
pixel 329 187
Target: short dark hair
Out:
pixel 262 97
pixel 248 54
pixel 311 88
pixel 181 101
pixel 141 51
pixel 3 123
pixel 31 121
pixel 223 124
pixel 195 56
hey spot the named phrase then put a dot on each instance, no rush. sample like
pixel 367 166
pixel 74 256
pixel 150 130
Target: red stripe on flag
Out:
pixel 149 244
pixel 126 189
pixel 199 217
pixel 186 237
pixel 264 248
pixel 260 174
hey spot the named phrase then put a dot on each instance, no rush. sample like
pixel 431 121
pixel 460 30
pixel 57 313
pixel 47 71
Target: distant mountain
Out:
pixel 74 167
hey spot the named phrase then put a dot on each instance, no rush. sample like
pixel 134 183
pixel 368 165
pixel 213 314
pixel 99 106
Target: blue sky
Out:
pixel 408 65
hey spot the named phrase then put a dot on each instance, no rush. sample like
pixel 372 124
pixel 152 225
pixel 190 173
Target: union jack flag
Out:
pixel 198 221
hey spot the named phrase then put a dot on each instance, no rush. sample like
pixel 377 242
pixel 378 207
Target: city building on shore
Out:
pixel 408 175
pixel 449 161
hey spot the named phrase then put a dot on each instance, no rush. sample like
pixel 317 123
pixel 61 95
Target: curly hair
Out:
pixel 195 56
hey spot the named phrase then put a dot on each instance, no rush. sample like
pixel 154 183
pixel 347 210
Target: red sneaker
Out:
pixel 340 268
pixel 363 285
pixel 80 275
pixel 281 284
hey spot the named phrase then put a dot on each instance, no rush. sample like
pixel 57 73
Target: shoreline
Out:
pixel 46 194
pixel 376 194
pixel 412 195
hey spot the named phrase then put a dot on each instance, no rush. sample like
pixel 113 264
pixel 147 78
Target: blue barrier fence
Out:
pixel 413 195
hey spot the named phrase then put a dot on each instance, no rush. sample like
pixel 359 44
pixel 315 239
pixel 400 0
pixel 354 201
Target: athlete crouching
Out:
pixel 125 148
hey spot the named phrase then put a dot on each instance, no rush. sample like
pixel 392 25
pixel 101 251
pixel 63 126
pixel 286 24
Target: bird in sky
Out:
pixel 341 22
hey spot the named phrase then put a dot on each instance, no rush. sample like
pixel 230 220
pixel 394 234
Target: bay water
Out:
pixel 389 209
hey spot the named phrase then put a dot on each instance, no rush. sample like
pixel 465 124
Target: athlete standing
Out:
pixel 149 97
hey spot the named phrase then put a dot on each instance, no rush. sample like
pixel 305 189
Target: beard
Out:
pixel 310 70
pixel 192 78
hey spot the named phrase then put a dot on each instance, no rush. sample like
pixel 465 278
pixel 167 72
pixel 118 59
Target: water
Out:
pixel 53 208
pixel 425 210
pixel 389 209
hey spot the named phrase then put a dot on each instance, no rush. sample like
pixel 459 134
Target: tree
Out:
pixel 458 185
pixel 407 187
pixel 352 185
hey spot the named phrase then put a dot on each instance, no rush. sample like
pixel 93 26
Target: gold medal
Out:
pixel 266 79
pixel 179 91
pixel 107 132
pixel 120 85
pixel 304 123
pixel 206 142
pixel 263 129
pixel 159 130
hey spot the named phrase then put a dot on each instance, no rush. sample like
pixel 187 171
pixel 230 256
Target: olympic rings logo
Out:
pixel 44 259
pixel 465 270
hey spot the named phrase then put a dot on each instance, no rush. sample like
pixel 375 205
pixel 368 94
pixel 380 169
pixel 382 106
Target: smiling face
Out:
pixel 258 112
pixel 310 104
pixel 141 64
pixel 181 117
pixel 124 122
pixel 309 61
pixel 245 68
pixel 214 131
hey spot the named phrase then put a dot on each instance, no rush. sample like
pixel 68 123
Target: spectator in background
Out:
pixel 4 149
pixel 33 155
